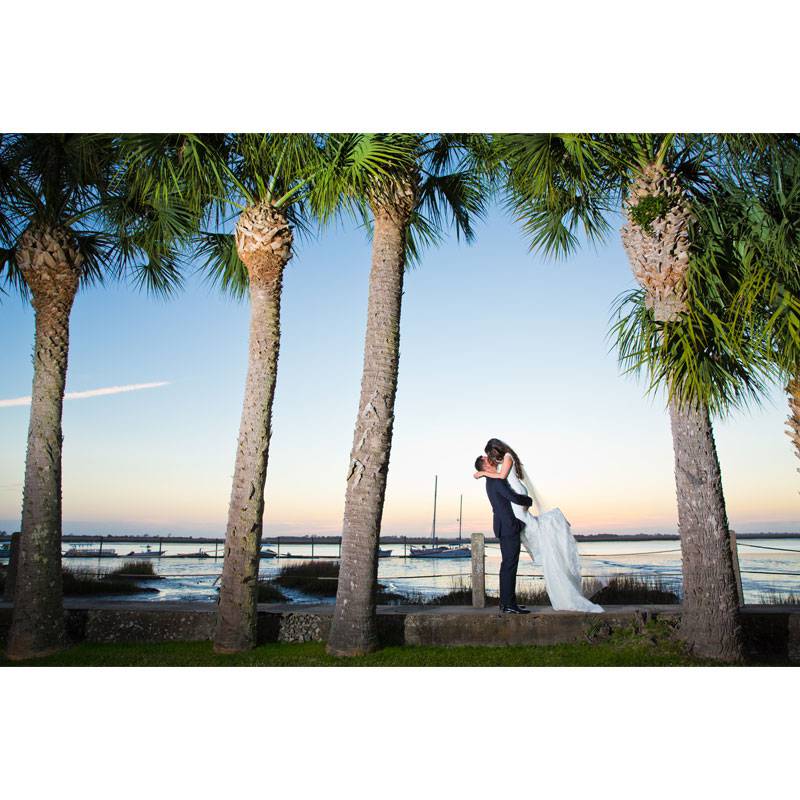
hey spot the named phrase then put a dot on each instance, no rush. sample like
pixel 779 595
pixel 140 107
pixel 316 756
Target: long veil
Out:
pixel 539 502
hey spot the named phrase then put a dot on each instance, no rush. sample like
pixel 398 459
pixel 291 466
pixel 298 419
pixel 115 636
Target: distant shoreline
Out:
pixel 307 539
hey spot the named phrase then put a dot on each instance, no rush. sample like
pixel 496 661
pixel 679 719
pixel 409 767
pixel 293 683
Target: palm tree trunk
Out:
pixel 265 259
pixel 50 265
pixel 354 631
pixel 709 616
pixel 793 431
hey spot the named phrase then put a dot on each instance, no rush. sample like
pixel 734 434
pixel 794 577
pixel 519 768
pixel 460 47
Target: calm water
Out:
pixel 763 570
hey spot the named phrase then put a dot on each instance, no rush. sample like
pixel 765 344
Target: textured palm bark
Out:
pixel 659 253
pixel 50 263
pixel 264 241
pixel 709 616
pixel 793 422
pixel 353 629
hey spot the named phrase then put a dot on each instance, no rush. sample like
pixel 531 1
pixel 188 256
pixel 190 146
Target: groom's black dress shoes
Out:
pixel 514 610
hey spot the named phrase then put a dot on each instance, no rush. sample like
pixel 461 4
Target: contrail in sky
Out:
pixel 133 387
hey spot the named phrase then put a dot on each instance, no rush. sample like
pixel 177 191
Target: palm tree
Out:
pixel 561 184
pixel 67 220
pixel 438 176
pixel 264 186
pixel 264 179
pixel 712 359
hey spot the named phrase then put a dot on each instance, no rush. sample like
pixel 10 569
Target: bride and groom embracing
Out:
pixel 547 536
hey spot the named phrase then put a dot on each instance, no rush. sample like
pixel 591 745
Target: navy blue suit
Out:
pixel 507 529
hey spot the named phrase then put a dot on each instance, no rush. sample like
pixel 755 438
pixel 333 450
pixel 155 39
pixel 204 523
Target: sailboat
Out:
pixel 148 552
pixel 442 550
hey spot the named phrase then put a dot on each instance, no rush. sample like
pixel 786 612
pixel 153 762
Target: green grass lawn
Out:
pixel 619 652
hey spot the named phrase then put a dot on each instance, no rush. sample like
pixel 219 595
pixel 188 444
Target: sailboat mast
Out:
pixel 435 488
pixel 460 510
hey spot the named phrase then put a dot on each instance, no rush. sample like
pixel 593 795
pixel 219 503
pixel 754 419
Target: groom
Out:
pixel 507 529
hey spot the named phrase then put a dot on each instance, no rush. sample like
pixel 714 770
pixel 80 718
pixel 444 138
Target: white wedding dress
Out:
pixel 549 541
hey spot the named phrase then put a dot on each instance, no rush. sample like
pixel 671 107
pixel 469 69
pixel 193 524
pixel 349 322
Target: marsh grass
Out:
pixel 778 599
pixel 626 590
pixel 320 579
pixel 621 590
pixel 129 569
pixel 268 592
pixel 81 582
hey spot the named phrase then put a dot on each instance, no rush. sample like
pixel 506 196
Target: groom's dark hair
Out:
pixel 479 464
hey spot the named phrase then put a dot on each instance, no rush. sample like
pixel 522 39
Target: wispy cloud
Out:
pixel 133 387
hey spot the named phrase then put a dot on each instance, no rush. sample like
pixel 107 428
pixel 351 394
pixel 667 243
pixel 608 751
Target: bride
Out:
pixel 547 537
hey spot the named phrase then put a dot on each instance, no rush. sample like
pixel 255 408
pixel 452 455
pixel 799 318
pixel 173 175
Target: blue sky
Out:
pixel 494 342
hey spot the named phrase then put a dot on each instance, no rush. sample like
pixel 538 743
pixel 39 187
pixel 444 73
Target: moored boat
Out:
pixel 199 554
pixel 78 551
pixel 442 550
pixel 147 553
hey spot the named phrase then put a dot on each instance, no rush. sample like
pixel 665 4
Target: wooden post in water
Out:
pixel 478 572
pixel 279 547
pixel 312 547
pixel 11 569
pixel 215 551
pixel 736 571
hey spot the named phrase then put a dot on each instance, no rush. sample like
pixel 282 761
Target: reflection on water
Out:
pixel 763 571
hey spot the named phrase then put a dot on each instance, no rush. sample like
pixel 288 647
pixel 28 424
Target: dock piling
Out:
pixel 736 571
pixel 11 570
pixel 478 571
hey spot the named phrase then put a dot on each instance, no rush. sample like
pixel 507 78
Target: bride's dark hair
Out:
pixel 496 449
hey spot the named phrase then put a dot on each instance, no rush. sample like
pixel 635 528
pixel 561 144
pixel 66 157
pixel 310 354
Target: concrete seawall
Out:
pixel 770 631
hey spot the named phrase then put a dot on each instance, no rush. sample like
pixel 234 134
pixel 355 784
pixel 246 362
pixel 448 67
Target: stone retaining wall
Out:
pixel 769 631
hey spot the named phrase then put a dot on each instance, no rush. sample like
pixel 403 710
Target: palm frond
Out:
pixel 221 264
pixel 689 359
pixel 159 274
pixel 10 274
pixel 422 234
pixel 454 200
pixel 558 185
